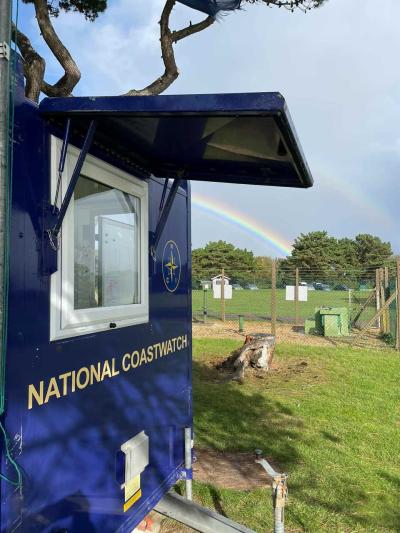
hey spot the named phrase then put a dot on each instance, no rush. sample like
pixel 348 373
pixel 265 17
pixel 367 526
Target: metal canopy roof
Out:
pixel 231 138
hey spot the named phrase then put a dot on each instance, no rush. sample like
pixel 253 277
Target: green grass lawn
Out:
pixel 332 425
pixel 258 303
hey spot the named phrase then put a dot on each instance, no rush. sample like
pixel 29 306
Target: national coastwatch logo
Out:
pixel 171 266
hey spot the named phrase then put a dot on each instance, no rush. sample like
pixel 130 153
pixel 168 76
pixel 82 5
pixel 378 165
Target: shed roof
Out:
pixel 234 138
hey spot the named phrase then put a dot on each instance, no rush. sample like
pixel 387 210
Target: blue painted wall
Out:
pixel 67 449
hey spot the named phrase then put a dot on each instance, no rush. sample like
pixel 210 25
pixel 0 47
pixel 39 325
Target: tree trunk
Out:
pixel 256 352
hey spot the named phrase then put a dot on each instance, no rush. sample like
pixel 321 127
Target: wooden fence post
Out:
pixel 378 296
pixel 398 305
pixel 273 297
pixel 296 298
pixel 387 312
pixel 373 319
pixel 386 276
pixel 223 295
pixel 382 298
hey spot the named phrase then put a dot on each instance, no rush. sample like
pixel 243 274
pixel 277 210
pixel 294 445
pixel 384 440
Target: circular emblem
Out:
pixel 171 266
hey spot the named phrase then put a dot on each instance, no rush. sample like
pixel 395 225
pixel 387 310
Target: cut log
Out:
pixel 256 352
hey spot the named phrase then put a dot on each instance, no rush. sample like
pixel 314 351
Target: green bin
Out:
pixel 332 321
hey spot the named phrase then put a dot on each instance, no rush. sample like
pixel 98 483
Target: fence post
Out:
pixel 387 313
pixel 273 297
pixel 378 296
pixel 386 274
pixel 398 305
pixel 296 299
pixel 382 298
pixel 223 295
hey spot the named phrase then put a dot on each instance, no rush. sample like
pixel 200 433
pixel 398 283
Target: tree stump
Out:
pixel 256 352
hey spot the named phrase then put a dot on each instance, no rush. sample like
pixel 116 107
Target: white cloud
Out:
pixel 337 68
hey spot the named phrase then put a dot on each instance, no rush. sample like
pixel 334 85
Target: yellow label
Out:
pixel 131 487
pixel 132 500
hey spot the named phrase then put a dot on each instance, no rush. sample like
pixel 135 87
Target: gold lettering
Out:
pixel 34 394
pixel 81 371
pixel 135 365
pixel 143 358
pixel 164 347
pixel 156 346
pixel 52 390
pixel 64 379
pixel 106 370
pixel 95 373
pixel 149 354
pixel 69 381
pixel 114 371
pixel 125 362
pixel 184 341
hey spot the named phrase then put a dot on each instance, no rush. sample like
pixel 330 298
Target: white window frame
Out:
pixel 65 321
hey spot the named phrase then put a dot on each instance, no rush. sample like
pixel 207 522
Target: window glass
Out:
pixel 106 246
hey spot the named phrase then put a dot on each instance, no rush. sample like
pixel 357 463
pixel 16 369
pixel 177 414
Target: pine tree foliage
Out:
pixel 89 8
pixel 46 10
pixel 239 264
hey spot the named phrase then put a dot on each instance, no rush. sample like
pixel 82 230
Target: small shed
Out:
pixel 216 285
pixel 217 280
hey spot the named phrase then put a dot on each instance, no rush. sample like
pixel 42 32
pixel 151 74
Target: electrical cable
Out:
pixel 17 483
pixel 8 198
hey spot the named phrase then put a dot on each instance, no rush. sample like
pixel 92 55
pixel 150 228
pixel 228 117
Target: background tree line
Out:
pixel 319 257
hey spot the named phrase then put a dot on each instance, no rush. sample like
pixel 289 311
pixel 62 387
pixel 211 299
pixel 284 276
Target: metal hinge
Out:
pixel 4 51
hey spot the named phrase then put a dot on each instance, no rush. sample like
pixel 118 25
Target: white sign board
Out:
pixel 290 291
pixel 227 292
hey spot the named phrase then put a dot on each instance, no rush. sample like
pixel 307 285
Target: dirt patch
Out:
pixel 227 470
pixel 285 333
pixel 170 526
pixel 229 329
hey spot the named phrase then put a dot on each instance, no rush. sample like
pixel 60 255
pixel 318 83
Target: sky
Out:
pixel 337 68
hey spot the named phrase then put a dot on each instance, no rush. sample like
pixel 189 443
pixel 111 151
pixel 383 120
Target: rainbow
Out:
pixel 244 222
pixel 357 196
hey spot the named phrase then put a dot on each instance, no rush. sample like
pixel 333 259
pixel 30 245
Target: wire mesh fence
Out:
pixel 338 305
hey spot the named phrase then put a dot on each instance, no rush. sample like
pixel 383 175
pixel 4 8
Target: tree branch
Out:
pixel 167 39
pixel 34 64
pixel 191 29
pixel 72 75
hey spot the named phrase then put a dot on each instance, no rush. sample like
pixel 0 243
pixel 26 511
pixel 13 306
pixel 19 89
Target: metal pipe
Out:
pixel 188 463
pixel 204 305
pixel 279 524
pixel 197 517
pixel 5 40
pixel 279 492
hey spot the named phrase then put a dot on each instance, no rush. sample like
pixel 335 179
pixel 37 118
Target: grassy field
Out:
pixel 258 303
pixel 332 424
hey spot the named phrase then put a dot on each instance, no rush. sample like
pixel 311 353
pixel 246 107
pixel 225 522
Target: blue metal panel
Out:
pixel 235 138
pixel 212 7
pixel 68 448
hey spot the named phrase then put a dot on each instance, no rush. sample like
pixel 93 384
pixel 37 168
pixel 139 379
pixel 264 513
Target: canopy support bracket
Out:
pixel 52 216
pixel 165 210
pixel 61 163
pixel 53 233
